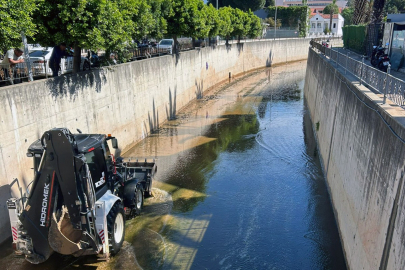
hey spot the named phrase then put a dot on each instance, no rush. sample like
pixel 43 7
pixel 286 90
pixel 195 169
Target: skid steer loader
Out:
pixel 79 198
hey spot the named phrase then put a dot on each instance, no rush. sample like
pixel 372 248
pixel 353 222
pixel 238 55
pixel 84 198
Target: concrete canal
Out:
pixel 239 186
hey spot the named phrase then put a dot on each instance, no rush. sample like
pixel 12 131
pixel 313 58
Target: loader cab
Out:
pixel 96 150
pixel 98 157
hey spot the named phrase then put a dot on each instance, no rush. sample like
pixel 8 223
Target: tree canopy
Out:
pixel 15 17
pixel 240 4
pixel 347 14
pixel 294 16
pixel 331 9
pixel 113 25
pixel 270 3
pixel 394 6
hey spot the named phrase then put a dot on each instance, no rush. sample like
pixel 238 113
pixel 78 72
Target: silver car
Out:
pixel 40 58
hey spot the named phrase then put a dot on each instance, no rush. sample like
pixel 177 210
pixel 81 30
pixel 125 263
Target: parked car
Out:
pixel 166 44
pixel 38 58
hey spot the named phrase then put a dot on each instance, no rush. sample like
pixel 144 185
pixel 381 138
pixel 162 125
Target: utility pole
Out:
pixel 27 57
pixel 217 4
pixel 275 22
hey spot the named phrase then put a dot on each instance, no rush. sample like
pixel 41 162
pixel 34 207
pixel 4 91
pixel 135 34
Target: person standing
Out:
pixel 12 57
pixel 56 57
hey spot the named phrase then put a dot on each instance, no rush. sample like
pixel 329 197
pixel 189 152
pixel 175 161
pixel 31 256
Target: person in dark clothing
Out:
pixel 56 57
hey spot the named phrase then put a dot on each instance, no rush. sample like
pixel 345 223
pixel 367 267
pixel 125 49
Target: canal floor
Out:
pixel 239 186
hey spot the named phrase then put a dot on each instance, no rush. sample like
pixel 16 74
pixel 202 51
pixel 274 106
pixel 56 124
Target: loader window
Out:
pixel 95 161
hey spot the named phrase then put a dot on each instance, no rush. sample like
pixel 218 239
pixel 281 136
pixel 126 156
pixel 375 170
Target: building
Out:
pixel 314 3
pixel 394 39
pixel 320 22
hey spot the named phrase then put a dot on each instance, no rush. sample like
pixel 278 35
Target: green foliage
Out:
pixel 226 19
pixel 331 9
pixel 347 14
pixel 213 20
pixel 187 18
pixel 93 24
pixel 270 21
pixel 15 17
pixel 240 4
pixel 240 22
pixel 255 28
pixel 269 3
pixel 354 37
pixel 394 6
pixel 294 16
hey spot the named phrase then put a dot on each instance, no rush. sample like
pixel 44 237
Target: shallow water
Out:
pixel 239 186
pixel 247 187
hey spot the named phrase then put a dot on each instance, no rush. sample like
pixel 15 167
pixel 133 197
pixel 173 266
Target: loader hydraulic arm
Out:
pixel 59 181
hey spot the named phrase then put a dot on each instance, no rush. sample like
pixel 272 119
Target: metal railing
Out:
pixel 379 81
pixel 147 52
pixel 11 74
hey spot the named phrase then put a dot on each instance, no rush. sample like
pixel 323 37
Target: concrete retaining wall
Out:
pixel 127 100
pixel 363 160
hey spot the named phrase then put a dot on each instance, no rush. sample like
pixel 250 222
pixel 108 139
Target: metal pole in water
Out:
pixel 385 83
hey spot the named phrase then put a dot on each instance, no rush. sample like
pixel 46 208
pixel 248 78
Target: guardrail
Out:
pixel 11 74
pixel 379 81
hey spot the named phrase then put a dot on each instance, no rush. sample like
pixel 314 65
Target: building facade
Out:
pixel 320 22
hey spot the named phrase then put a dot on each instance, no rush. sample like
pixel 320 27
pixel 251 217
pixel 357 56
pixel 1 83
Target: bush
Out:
pixel 294 16
pixel 354 37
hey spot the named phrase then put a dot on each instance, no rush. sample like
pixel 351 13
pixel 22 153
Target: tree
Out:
pixel 226 19
pixel 159 9
pixel 378 8
pixel 240 4
pixel 331 9
pixel 92 24
pixel 294 16
pixel 270 21
pixel 187 18
pixel 213 21
pixel 347 14
pixel 394 6
pixel 240 22
pixel 256 27
pixel 269 3
pixel 360 14
pixel 15 17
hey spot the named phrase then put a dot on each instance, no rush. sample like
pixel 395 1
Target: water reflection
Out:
pixel 248 190
pixel 240 186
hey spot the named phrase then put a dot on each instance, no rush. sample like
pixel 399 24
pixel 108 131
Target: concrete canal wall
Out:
pixel 128 100
pixel 363 157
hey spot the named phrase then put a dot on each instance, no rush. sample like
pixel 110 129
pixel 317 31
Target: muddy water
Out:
pixel 239 186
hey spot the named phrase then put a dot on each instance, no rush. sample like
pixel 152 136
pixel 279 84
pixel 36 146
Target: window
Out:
pixel 334 25
pixel 313 25
pixel 319 25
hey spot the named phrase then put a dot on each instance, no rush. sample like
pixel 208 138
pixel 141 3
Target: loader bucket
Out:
pixel 62 237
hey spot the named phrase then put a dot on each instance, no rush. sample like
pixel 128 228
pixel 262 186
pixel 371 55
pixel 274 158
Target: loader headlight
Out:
pixel 37 155
pixel 30 155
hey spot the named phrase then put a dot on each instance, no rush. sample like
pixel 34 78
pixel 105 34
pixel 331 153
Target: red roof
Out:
pixel 327 16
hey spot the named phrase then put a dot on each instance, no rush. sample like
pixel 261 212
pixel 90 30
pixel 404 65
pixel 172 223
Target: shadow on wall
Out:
pixel 240 47
pixel 72 83
pixel 269 59
pixel 199 91
pixel 154 120
pixel 171 113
